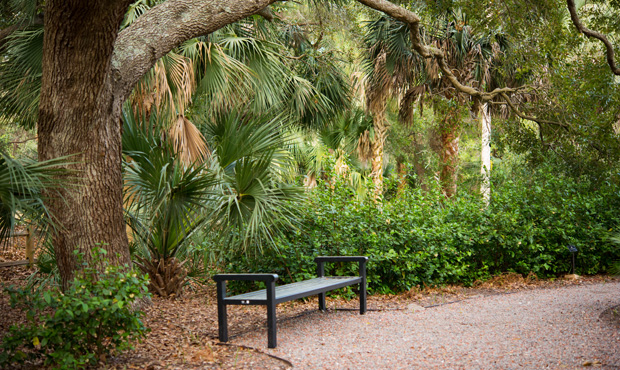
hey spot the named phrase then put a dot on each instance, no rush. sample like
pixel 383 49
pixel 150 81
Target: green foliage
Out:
pixel 421 239
pixel 164 199
pixel 92 319
pixel 20 77
pixel 242 192
pixel 255 195
pixel 22 182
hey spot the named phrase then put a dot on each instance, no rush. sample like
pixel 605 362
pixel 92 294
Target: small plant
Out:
pixel 92 319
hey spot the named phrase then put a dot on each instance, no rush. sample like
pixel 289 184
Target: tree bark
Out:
pixel 449 136
pixel 380 130
pixel 377 101
pixel 485 153
pixel 77 117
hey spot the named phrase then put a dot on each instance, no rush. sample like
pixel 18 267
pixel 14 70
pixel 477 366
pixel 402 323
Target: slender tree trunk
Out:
pixel 78 116
pixel 401 169
pixel 485 153
pixel 449 135
pixel 405 115
pixel 417 161
pixel 380 129
pixel 377 102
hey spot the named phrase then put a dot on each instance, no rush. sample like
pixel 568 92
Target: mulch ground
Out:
pixel 184 330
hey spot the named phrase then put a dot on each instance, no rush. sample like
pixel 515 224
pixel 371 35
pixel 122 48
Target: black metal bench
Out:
pixel 283 293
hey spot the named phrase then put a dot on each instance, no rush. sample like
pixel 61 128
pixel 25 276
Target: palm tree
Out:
pixel 377 94
pixel 413 78
pixel 256 195
pixel 338 142
pixel 388 69
pixel 163 202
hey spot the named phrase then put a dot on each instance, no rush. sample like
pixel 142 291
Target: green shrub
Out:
pixel 83 325
pixel 420 238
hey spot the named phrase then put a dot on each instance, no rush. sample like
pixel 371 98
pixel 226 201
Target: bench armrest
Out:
pixel 246 277
pixel 341 259
pixel 320 263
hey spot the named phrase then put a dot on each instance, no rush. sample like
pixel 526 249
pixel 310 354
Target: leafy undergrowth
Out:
pixel 184 331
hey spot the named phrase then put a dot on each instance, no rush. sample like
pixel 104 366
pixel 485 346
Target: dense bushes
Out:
pixel 416 238
pixel 82 325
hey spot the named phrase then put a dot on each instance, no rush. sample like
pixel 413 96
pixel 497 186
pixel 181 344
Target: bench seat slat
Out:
pixel 292 291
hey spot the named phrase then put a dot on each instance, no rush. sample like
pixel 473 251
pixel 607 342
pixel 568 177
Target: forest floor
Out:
pixel 184 330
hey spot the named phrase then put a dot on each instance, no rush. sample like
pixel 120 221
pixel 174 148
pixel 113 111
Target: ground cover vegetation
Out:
pixel 256 140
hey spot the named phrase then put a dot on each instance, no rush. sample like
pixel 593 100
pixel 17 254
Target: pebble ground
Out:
pixel 556 328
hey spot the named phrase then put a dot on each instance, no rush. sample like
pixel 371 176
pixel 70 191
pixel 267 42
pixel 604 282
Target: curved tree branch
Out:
pixel 530 118
pixel 599 36
pixel 426 51
pixel 166 26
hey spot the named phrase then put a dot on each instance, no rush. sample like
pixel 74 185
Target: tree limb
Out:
pixel 166 26
pixel 599 36
pixel 426 51
pixel 266 13
pixel 530 118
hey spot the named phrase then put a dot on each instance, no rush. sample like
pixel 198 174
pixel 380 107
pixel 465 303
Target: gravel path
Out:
pixel 537 329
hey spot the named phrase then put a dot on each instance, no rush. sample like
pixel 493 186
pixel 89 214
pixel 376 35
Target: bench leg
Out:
pixel 271 315
pixel 363 287
pixel 363 301
pixel 321 301
pixel 222 319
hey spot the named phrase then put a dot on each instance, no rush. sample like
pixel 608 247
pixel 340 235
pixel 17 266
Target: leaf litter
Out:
pixel 184 330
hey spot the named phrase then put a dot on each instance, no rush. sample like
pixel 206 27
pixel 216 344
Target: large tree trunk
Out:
pixel 485 153
pixel 89 70
pixel 78 116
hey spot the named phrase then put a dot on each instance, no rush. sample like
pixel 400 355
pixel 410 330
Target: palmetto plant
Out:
pixel 164 201
pixel 22 184
pixel 20 77
pixel 240 192
pixel 256 196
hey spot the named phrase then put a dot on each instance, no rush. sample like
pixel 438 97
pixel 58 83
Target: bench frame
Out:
pixel 271 293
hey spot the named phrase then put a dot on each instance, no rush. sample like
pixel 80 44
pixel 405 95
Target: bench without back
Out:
pixel 273 294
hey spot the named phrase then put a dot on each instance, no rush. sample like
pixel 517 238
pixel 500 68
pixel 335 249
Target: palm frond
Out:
pixel 164 199
pixel 188 141
pixel 20 77
pixel 256 197
pixel 22 186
